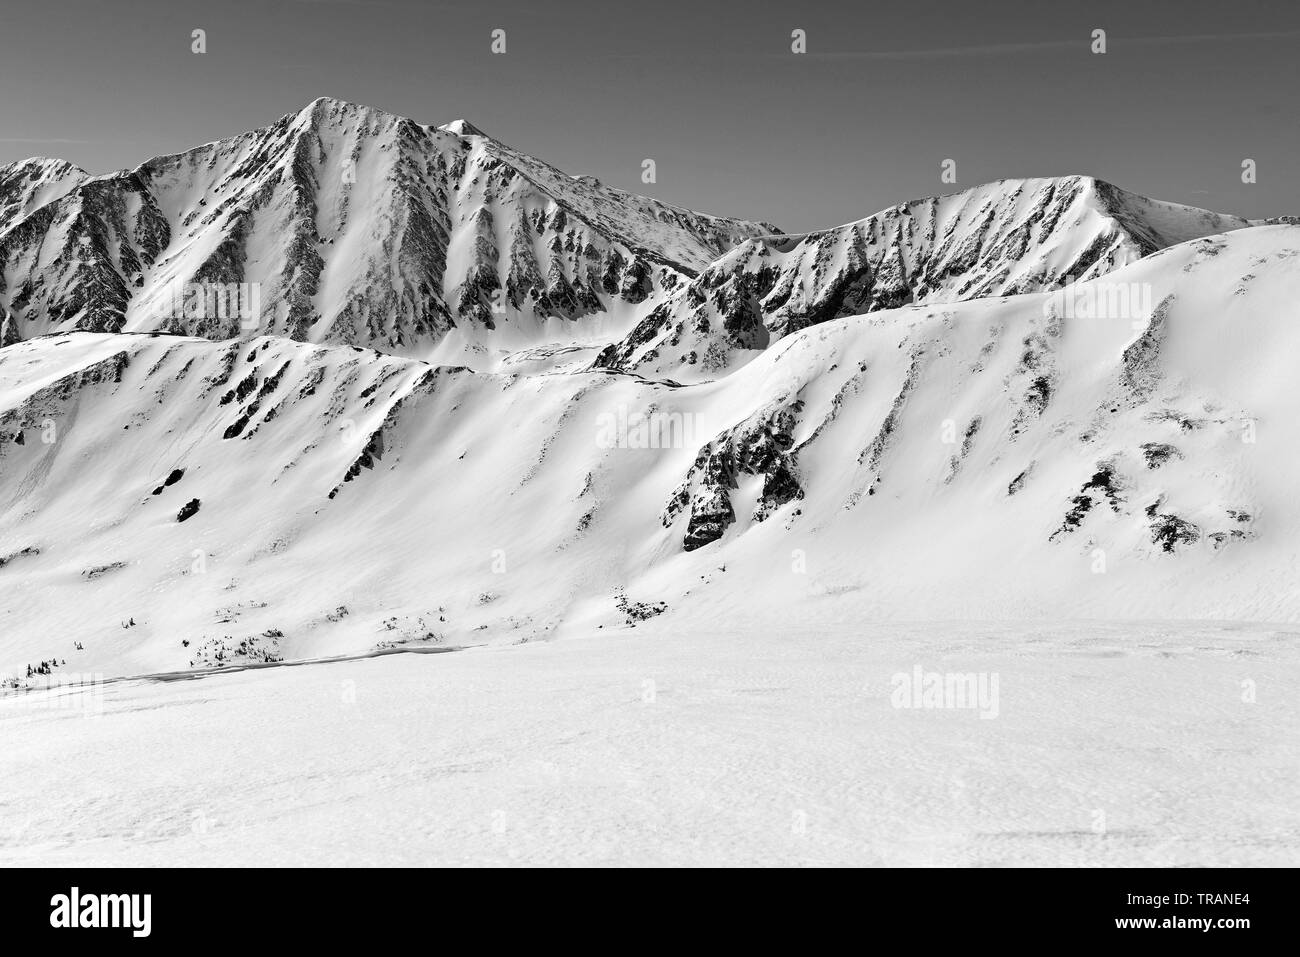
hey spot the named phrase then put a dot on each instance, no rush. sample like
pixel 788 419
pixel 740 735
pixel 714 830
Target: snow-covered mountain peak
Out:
pixel 352 225
pixel 1005 238
pixel 462 127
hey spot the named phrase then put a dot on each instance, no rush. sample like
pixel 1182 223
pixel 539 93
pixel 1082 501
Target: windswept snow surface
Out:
pixel 1167 744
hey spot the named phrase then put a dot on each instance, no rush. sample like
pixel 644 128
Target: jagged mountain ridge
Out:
pixel 358 227
pixel 1001 239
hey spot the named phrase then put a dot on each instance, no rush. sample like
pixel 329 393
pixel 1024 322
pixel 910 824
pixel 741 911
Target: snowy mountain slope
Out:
pixel 343 224
pixel 1026 456
pixel 28 185
pixel 1000 239
pixel 1123 447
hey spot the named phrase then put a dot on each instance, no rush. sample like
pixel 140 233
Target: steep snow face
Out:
pixel 28 185
pixel 1001 239
pixel 347 225
pixel 1122 447
pixel 26 188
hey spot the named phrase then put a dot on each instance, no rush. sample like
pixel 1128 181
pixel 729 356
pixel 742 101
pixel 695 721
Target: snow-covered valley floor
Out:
pixel 1113 744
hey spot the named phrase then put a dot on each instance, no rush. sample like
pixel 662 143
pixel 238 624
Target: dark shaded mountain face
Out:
pixel 339 224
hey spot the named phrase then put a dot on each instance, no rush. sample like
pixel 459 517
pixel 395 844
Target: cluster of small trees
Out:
pixel 45 667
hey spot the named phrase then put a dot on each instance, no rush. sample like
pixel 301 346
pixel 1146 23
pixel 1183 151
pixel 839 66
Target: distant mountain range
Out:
pixel 358 227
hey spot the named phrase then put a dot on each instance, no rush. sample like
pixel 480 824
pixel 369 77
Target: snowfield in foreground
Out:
pixel 1113 744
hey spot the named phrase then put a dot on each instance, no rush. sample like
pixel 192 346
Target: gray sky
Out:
pixel 737 124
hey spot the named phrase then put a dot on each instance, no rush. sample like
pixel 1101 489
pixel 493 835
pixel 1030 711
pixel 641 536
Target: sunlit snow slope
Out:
pixel 1016 456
